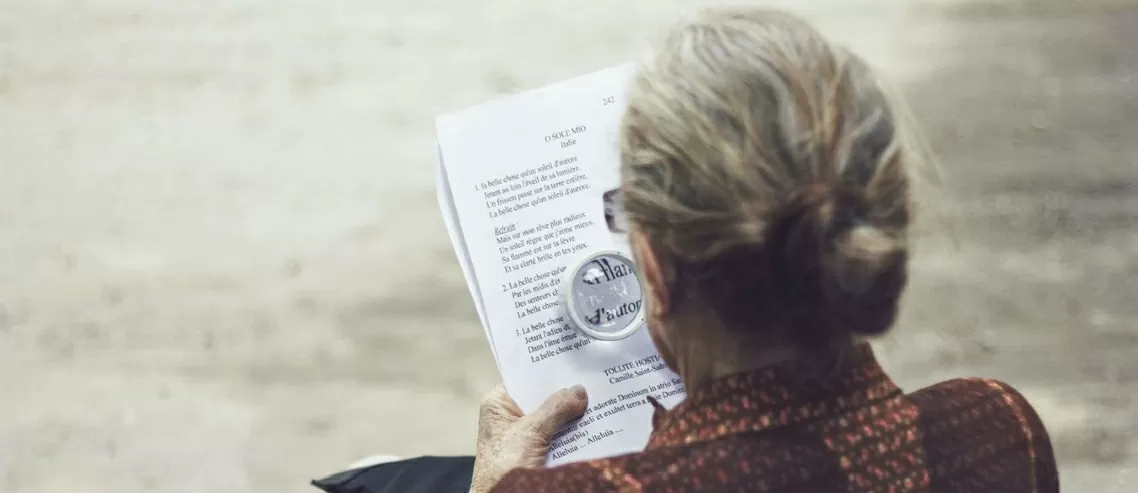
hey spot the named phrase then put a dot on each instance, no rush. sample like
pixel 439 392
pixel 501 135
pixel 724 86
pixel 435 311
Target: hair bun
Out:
pixel 837 260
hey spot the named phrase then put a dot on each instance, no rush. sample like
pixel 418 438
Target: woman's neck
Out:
pixel 709 358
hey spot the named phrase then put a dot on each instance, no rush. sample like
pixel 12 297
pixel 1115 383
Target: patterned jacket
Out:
pixel 767 432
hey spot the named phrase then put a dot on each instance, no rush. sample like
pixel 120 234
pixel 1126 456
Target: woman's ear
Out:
pixel 651 273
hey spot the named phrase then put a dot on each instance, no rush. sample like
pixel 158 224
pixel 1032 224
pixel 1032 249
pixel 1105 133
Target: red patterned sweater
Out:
pixel 767 432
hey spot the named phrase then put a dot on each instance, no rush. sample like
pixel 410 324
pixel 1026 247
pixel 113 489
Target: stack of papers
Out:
pixel 522 183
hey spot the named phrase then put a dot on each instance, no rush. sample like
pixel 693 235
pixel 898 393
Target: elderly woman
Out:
pixel 766 179
pixel 766 182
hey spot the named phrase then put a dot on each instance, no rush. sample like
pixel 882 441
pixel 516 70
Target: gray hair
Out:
pixel 772 171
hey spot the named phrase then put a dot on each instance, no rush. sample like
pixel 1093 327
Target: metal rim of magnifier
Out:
pixel 570 302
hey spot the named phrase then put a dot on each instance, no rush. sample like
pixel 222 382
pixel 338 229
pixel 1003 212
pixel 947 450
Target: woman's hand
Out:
pixel 507 439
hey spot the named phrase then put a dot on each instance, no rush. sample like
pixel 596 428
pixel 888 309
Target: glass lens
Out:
pixel 607 296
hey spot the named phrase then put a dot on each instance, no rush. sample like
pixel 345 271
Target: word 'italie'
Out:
pixel 565 138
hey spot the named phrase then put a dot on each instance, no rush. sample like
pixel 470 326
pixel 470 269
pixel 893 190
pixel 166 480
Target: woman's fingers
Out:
pixel 562 407
pixel 497 402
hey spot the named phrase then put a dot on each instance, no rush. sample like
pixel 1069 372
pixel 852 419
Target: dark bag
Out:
pixel 418 475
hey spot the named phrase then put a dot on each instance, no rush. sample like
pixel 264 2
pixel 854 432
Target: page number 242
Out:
pixel 608 100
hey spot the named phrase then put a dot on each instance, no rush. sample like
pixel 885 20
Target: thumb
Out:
pixel 562 407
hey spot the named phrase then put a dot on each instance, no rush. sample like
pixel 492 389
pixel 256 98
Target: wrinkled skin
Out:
pixel 509 439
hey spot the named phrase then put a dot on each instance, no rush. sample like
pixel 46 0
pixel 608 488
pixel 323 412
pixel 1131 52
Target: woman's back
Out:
pixel 767 431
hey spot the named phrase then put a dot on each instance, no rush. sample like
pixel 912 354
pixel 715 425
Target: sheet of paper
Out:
pixel 526 177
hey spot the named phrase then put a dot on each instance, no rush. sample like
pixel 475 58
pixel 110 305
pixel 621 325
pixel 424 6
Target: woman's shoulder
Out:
pixel 961 393
pixel 988 422
pixel 969 400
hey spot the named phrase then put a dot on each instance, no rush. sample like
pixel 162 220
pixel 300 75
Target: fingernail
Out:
pixel 579 391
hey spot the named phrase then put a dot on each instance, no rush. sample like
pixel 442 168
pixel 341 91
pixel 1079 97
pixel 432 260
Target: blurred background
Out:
pixel 222 265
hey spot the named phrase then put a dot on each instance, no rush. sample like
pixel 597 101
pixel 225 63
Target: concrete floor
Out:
pixel 222 267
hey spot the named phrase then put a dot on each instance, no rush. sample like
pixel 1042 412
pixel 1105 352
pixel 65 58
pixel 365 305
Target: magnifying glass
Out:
pixel 602 292
pixel 603 296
